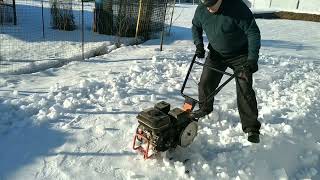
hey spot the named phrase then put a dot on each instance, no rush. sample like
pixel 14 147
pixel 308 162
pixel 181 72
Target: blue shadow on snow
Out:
pixel 25 146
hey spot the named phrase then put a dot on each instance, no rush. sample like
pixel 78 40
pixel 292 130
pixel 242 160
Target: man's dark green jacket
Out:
pixel 231 31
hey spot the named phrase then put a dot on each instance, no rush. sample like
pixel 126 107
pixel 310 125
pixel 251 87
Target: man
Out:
pixel 234 41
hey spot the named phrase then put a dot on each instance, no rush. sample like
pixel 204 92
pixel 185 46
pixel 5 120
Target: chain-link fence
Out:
pixel 52 32
pixel 188 1
pixel 8 12
pixel 132 18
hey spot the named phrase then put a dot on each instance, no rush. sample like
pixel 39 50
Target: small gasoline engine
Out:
pixel 160 129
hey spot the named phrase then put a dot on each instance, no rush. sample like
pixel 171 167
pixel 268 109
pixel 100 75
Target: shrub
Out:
pixel 61 15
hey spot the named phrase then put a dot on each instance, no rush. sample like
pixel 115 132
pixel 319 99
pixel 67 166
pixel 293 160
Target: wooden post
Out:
pixel 138 21
pixel 94 25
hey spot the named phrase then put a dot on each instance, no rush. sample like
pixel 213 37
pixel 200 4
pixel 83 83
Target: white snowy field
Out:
pixel 78 121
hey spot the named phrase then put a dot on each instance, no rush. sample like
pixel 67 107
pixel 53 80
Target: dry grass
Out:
pixel 289 15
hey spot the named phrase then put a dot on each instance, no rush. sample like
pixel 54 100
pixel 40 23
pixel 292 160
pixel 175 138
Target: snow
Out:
pixel 77 121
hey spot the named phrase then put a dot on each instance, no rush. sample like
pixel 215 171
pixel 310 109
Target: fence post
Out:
pixel 14 12
pixel 270 3
pixel 298 3
pixel 82 30
pixel 42 16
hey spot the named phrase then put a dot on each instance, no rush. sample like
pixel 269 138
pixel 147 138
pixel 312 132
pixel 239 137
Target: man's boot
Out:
pixel 253 137
pixel 197 114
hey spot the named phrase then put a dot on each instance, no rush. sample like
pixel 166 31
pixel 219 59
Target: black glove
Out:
pixel 251 66
pixel 200 52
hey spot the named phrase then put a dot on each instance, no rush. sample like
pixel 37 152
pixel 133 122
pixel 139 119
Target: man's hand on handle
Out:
pixel 200 52
pixel 251 66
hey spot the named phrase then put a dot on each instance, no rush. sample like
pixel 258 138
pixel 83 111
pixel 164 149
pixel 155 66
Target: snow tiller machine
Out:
pixel 161 128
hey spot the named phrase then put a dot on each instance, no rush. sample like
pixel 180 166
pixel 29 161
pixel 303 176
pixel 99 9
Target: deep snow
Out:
pixel 77 121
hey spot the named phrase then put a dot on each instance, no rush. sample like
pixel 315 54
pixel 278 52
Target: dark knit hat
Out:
pixel 209 3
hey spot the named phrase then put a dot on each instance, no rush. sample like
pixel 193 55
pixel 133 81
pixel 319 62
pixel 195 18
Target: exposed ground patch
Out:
pixel 289 15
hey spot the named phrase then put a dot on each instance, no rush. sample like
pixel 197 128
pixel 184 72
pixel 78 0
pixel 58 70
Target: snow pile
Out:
pixel 221 150
pixel 12 116
pixel 287 102
pixel 95 94
pixel 292 95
